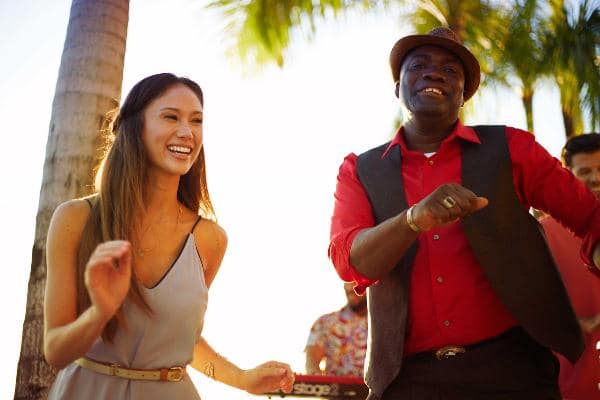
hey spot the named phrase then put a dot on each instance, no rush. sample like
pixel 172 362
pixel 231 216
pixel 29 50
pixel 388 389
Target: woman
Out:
pixel 129 268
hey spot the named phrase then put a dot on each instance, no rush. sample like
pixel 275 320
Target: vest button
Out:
pixel 436 237
pixel 439 279
pixel 430 162
pixel 446 323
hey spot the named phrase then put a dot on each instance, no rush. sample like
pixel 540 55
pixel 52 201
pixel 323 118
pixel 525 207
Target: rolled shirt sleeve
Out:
pixel 351 213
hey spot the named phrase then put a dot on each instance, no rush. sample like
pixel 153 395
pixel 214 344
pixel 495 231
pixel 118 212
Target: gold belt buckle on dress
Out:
pixel 447 352
pixel 175 374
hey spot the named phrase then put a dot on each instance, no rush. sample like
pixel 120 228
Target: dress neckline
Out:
pixel 171 266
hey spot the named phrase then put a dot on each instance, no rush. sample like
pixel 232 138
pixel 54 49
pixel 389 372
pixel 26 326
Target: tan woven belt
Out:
pixel 173 374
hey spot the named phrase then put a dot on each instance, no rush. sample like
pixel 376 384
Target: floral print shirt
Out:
pixel 343 335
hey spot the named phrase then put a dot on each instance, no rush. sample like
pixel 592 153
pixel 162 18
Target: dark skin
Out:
pixel 432 114
pixel 431 85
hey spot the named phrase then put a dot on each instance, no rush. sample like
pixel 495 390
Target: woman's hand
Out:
pixel 268 377
pixel 107 277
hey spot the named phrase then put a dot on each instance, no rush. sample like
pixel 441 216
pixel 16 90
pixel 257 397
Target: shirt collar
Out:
pixel 460 131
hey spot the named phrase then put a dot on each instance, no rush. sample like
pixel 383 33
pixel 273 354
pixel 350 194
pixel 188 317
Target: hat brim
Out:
pixel 472 70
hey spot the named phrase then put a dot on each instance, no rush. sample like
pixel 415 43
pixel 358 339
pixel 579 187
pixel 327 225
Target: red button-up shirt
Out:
pixel 451 301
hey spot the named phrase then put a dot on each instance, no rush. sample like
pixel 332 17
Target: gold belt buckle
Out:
pixel 448 352
pixel 175 374
pixel 113 369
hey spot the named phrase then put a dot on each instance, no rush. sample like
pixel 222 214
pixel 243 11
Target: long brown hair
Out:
pixel 120 180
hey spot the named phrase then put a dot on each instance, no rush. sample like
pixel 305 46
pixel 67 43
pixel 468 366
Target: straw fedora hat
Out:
pixel 442 37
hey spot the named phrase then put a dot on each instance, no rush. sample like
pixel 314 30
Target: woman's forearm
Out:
pixel 64 344
pixel 215 366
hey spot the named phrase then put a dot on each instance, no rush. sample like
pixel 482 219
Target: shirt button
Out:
pixel 430 162
pixel 439 279
pixel 436 237
pixel 446 323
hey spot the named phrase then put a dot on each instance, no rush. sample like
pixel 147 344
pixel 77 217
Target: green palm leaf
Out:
pixel 263 28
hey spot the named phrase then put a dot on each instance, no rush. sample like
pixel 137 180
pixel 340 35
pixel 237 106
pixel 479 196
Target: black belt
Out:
pixel 452 351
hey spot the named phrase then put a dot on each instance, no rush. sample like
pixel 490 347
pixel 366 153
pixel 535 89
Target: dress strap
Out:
pixel 88 201
pixel 196 223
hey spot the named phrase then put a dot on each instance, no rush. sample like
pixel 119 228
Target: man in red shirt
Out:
pixel 464 299
pixel 579 381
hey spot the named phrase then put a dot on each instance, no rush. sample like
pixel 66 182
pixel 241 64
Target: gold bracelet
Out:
pixel 410 222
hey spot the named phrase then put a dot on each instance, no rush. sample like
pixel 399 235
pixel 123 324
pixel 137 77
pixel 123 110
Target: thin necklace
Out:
pixel 140 251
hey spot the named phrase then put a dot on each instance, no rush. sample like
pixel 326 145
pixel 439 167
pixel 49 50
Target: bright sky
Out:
pixel 273 141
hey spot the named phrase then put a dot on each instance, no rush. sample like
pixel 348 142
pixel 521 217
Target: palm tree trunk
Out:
pixel 571 111
pixel 527 99
pixel 568 123
pixel 89 85
pixel 455 22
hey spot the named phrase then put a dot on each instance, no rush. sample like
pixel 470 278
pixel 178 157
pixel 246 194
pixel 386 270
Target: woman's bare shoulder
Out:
pixel 211 242
pixel 71 215
pixel 210 236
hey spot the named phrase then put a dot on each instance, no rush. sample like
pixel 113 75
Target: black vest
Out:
pixel 507 242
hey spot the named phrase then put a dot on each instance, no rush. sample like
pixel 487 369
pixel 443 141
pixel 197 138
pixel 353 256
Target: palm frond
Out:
pixel 263 28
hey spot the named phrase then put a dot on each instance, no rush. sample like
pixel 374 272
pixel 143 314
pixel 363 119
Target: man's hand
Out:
pixel 446 204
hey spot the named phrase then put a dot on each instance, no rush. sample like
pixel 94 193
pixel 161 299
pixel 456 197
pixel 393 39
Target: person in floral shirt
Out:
pixel 338 341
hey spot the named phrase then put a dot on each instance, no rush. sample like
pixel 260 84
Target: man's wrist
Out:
pixel 410 221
